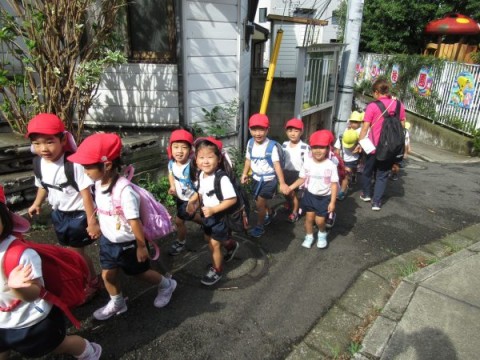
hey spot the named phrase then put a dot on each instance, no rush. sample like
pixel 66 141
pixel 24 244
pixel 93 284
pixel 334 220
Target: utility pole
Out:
pixel 351 37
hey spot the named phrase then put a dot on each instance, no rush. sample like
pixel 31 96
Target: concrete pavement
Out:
pixel 423 304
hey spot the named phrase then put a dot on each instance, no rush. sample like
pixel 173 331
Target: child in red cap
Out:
pixel 122 244
pixel 66 187
pixel 266 170
pixel 29 324
pixel 295 150
pixel 209 159
pixel 320 179
pixel 181 176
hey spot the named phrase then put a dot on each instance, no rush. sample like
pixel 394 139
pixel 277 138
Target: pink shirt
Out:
pixel 373 115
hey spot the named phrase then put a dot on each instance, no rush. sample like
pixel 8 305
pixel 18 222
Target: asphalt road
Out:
pixel 275 290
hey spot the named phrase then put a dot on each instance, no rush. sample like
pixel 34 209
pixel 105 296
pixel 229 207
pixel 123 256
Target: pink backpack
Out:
pixel 156 220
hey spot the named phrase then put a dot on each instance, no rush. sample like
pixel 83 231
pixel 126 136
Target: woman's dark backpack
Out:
pixel 392 136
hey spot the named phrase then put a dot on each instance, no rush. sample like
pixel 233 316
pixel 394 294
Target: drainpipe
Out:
pixel 271 72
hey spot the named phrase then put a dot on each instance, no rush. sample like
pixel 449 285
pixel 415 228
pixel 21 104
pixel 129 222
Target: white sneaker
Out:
pixel 109 310
pixel 322 240
pixel 307 243
pixel 164 295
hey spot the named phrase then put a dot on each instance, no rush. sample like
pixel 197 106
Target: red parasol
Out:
pixel 453 24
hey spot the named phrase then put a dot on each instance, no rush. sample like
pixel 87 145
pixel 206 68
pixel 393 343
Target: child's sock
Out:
pixel 89 350
pixel 118 299
pixel 164 283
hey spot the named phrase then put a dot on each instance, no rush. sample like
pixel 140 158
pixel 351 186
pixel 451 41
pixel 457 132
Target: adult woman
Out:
pixel 372 127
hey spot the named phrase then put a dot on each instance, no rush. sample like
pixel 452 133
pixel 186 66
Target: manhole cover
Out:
pixel 249 264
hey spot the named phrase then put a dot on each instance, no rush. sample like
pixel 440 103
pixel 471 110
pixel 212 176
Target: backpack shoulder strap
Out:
pixel 268 152
pixel 12 256
pixel 37 169
pixel 70 172
pixel 397 108
pixel 380 105
pixel 250 147
pixel 216 184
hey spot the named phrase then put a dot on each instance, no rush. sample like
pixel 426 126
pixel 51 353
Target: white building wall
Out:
pixel 323 34
pixel 213 57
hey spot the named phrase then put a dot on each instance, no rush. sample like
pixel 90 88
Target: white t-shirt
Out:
pixel 27 313
pixel 295 155
pixel 68 199
pixel 207 189
pixel 130 202
pixel 184 191
pixel 319 176
pixel 348 155
pixel 261 166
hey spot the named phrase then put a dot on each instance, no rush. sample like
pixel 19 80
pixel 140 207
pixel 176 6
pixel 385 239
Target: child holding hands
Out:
pixel 73 208
pixel 320 179
pixel 209 159
pixel 295 150
pixel 267 172
pixel 181 177
pixel 122 244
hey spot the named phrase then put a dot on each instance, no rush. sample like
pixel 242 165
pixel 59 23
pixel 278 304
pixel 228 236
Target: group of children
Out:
pixel 78 184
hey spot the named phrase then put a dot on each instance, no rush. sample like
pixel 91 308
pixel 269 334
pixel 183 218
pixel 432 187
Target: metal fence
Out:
pixel 446 95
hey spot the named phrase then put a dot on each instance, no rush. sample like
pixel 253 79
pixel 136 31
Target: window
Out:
pixel 151 28
pixel 262 15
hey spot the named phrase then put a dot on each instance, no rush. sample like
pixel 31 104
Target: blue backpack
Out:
pixel 268 154
pixel 186 180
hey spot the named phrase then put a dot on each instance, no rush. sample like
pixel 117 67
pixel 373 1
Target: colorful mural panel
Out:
pixel 463 90
pixel 424 81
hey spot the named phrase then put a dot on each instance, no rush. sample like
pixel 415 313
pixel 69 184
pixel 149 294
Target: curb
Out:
pixel 375 293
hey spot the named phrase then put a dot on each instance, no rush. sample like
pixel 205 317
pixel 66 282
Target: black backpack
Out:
pixel 237 215
pixel 69 173
pixel 392 136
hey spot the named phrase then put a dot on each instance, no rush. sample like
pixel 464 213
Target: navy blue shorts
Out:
pixel 182 210
pixel 215 227
pixel 351 164
pixel 71 228
pixel 315 203
pixel 36 340
pixel 121 255
pixel 265 189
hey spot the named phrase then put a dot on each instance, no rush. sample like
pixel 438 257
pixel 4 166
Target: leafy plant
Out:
pixel 59 50
pixel 159 189
pixel 219 121
pixel 354 347
pixel 476 141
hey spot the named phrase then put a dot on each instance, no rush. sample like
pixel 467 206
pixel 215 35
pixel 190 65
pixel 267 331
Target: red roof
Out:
pixel 453 24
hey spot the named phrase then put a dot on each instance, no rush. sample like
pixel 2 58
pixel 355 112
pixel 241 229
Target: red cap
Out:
pixel 321 138
pixel 259 120
pixel 20 224
pixel 211 139
pixel 294 123
pixel 181 135
pixel 46 124
pixel 98 148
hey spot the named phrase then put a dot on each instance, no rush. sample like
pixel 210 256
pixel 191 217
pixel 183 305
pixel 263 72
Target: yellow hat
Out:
pixel 349 138
pixel 356 116
pixel 407 125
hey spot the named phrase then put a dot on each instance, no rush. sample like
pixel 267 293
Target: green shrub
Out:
pixel 159 189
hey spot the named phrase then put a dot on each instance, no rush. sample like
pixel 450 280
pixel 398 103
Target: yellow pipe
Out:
pixel 271 72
